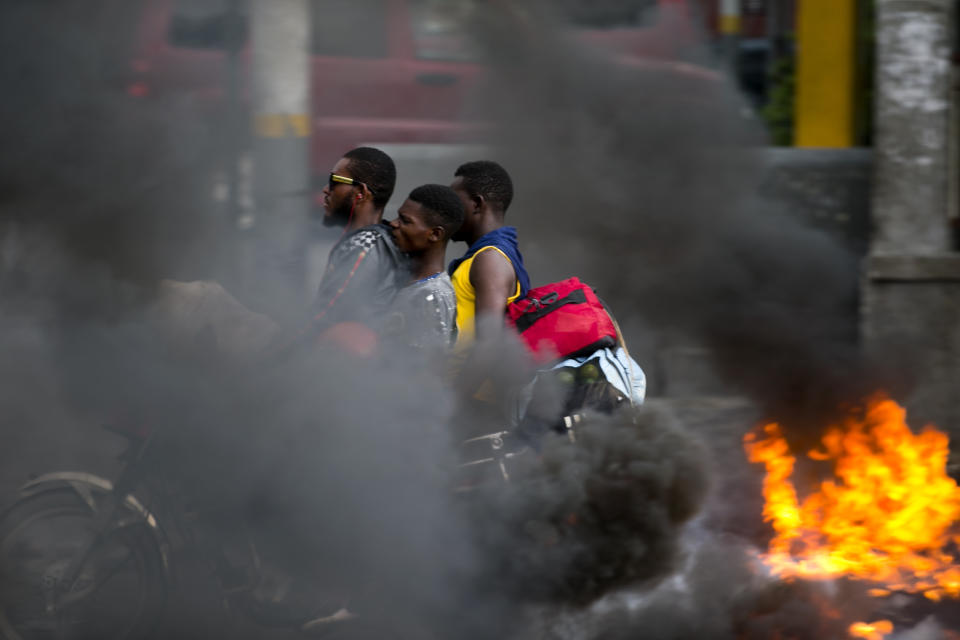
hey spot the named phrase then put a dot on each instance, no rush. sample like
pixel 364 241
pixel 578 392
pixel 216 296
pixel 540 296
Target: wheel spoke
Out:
pixel 100 579
pixel 118 590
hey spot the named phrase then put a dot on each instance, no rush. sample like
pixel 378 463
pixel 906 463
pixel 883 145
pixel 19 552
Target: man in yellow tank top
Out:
pixel 491 273
pixel 488 276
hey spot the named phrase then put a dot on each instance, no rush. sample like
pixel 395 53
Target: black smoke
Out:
pixel 642 177
pixel 596 516
pixel 630 175
pixel 340 472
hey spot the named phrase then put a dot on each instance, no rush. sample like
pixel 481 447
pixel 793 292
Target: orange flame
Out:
pixel 871 631
pixel 886 518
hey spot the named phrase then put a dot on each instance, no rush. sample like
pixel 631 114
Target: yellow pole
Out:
pixel 826 68
pixel 729 29
pixel 730 17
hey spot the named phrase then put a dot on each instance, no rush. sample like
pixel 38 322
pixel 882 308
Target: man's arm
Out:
pixel 494 281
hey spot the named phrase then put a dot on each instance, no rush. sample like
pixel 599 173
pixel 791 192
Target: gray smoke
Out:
pixel 926 630
pixel 642 178
pixel 632 176
pixel 722 591
pixel 336 470
pixel 116 182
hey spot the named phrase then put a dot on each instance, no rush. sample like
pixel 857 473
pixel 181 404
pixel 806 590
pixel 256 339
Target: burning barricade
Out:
pixel 885 514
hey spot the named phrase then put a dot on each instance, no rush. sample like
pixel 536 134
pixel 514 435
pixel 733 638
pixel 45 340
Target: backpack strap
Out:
pixel 538 308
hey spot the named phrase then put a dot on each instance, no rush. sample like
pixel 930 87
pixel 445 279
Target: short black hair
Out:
pixel 488 179
pixel 375 169
pixel 441 206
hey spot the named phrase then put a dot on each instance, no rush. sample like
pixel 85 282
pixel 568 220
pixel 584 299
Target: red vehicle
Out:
pixel 384 71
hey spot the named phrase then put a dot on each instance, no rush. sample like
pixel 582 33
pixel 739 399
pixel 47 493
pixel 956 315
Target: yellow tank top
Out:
pixel 467 298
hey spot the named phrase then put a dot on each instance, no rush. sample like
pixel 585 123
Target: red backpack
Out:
pixel 562 320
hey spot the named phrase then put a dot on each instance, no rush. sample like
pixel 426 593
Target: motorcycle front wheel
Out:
pixel 118 594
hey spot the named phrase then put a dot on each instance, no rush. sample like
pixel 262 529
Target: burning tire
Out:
pixel 118 593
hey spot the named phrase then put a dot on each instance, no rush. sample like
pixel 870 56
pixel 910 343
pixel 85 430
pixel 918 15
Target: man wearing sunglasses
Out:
pixel 364 269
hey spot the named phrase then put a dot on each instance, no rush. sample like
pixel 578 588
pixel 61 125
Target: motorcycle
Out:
pixel 84 557
pixel 87 557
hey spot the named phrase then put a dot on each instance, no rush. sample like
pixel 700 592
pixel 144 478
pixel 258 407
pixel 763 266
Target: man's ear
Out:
pixel 478 202
pixel 437 234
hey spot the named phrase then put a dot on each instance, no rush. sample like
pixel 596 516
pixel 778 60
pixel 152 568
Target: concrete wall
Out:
pixel 911 317
pixel 911 288
pixel 912 111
